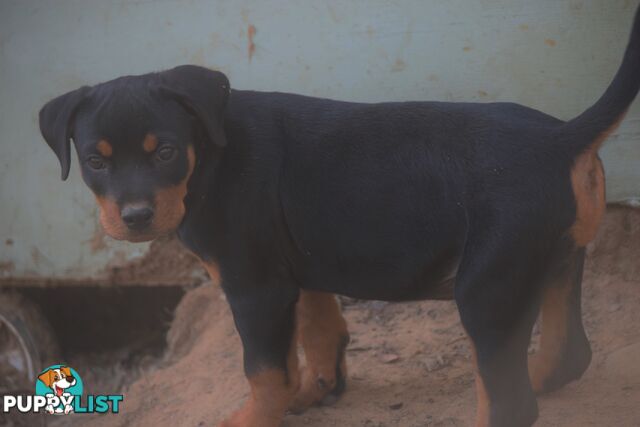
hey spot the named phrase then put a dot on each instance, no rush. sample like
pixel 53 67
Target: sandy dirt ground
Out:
pixel 409 364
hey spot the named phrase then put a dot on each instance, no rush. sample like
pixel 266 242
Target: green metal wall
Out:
pixel 554 55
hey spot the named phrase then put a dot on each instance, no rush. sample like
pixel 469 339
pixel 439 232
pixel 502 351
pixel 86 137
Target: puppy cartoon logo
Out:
pixel 59 391
pixel 60 384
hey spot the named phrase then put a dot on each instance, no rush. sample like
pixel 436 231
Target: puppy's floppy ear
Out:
pixel 66 370
pixel 46 377
pixel 56 123
pixel 203 92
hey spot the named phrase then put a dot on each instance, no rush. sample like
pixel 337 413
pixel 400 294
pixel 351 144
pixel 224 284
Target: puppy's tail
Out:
pixel 592 127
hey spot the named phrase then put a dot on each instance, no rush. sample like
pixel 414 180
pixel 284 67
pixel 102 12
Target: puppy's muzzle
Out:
pixel 137 217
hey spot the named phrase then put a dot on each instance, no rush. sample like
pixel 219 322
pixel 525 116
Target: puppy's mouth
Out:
pixel 146 234
pixel 140 237
pixel 136 236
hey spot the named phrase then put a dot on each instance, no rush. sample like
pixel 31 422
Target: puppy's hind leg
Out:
pixel 496 299
pixel 322 331
pixel 564 352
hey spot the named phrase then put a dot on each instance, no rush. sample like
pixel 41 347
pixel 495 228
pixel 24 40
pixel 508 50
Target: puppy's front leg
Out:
pixel 264 317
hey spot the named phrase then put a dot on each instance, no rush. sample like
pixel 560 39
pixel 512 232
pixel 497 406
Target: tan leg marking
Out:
pixel 483 403
pixel 271 393
pixel 555 312
pixel 322 331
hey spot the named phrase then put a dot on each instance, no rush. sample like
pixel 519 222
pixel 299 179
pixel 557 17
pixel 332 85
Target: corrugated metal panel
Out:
pixel 557 56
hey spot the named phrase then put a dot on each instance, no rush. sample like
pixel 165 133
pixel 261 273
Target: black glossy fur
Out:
pixel 383 201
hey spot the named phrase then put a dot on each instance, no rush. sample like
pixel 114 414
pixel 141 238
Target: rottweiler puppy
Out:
pixel 289 199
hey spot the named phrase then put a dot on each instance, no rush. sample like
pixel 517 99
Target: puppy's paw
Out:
pixel 315 389
pixel 248 416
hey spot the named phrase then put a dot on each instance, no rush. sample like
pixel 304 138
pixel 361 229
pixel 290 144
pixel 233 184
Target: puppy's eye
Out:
pixel 166 153
pixel 96 162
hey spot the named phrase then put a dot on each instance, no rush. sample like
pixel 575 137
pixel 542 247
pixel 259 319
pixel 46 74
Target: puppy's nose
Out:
pixel 137 217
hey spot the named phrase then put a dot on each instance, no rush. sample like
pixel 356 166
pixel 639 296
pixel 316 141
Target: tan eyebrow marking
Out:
pixel 104 148
pixel 150 143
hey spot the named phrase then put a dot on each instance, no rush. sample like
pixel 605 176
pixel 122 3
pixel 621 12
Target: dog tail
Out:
pixel 592 127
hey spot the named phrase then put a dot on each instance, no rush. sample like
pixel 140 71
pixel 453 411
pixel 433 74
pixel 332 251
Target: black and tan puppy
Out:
pixel 288 199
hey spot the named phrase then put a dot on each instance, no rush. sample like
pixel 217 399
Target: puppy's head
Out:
pixel 136 138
